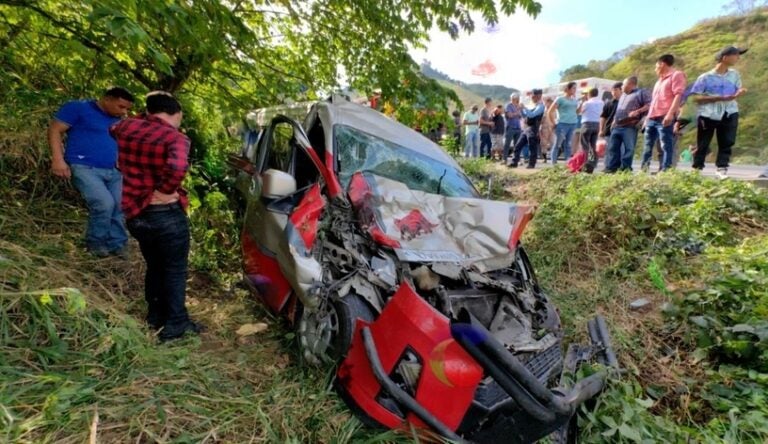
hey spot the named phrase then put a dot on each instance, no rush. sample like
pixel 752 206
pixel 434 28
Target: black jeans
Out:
pixel 589 133
pixel 485 144
pixel 163 235
pixel 530 138
pixel 726 138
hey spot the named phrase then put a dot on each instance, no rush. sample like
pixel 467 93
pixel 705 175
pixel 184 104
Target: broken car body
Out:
pixel 374 244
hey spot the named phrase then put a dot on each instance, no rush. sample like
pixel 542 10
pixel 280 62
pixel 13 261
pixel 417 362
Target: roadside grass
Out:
pixel 696 249
pixel 77 363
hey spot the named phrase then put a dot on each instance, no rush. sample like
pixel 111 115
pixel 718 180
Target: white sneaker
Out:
pixel 721 173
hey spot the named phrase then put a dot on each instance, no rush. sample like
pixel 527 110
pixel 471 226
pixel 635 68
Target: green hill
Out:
pixel 467 97
pixel 694 51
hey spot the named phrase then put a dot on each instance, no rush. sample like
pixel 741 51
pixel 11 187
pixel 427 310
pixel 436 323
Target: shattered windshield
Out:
pixel 358 151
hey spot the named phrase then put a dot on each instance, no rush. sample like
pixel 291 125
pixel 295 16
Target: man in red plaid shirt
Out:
pixel 153 159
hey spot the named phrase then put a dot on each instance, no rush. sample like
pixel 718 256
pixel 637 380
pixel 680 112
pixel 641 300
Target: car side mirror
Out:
pixel 277 184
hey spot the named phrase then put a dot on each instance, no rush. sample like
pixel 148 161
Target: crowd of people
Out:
pixel 548 127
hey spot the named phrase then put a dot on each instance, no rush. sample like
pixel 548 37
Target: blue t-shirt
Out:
pixel 88 139
pixel 513 122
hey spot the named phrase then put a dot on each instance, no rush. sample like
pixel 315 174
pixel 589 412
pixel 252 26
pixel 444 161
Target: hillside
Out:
pixel 469 93
pixel 467 97
pixel 694 50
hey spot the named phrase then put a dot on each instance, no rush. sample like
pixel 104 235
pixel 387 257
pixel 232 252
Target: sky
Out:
pixel 529 52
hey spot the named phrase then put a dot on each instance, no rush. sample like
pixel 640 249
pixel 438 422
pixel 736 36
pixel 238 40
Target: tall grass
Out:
pixel 695 248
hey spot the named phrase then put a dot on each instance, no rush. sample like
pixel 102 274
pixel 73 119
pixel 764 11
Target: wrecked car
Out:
pixel 376 247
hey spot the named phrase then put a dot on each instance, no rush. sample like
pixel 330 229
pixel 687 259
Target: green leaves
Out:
pixel 249 54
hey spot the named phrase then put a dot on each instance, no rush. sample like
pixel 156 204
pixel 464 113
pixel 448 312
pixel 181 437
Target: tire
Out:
pixel 326 337
pixel 350 308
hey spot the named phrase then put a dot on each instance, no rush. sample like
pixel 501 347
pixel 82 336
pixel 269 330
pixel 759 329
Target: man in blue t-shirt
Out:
pixel 90 160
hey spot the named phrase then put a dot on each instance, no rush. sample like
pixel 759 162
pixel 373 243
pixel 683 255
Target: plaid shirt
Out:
pixel 152 155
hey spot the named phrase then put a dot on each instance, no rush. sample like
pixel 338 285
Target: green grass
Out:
pixel 696 247
pixel 76 361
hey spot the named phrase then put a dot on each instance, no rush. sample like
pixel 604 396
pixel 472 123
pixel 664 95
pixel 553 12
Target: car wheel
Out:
pixel 325 334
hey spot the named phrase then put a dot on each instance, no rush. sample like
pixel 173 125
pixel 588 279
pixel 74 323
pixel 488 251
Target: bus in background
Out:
pixel 603 87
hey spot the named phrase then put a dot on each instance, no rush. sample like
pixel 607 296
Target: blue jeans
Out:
pixel 102 189
pixel 470 146
pixel 511 134
pixel 163 235
pixel 564 135
pixel 621 148
pixel 653 132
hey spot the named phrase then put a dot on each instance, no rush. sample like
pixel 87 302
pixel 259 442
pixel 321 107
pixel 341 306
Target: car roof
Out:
pixel 339 111
pixel 260 118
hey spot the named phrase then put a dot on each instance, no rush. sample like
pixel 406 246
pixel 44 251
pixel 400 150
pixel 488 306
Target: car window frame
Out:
pixel 299 141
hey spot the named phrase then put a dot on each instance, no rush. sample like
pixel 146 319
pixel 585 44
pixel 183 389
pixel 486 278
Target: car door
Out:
pixel 282 153
pixel 244 163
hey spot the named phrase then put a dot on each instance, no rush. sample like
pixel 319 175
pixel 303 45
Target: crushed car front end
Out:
pixel 468 346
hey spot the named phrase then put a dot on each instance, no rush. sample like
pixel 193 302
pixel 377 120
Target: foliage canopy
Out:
pixel 254 52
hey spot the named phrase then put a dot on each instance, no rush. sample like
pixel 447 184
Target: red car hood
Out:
pixel 426 227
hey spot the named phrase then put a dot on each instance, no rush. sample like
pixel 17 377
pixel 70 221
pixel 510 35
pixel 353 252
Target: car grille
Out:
pixel 546 364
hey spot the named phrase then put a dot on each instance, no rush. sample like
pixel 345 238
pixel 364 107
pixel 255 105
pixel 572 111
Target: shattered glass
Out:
pixel 358 151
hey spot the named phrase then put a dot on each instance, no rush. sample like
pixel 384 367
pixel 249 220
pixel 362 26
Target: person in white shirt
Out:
pixel 590 111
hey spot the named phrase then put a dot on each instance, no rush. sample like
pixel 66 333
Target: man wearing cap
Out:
pixel 715 92
pixel 665 103
pixel 530 136
pixel 513 129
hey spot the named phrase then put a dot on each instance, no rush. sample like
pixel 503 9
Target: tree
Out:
pixel 743 7
pixel 248 51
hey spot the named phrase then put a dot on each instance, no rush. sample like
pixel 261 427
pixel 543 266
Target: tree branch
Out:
pixel 83 40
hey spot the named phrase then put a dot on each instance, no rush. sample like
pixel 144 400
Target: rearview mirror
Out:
pixel 277 184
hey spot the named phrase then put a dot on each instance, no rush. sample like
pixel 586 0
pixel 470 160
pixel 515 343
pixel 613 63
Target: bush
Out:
pixel 727 317
pixel 634 218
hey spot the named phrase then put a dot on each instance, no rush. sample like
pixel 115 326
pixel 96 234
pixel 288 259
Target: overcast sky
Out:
pixel 528 52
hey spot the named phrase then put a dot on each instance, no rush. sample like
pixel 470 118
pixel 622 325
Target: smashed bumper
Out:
pixel 415 366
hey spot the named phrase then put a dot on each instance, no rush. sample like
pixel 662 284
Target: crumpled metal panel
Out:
pixel 425 227
pixel 298 265
pixel 449 376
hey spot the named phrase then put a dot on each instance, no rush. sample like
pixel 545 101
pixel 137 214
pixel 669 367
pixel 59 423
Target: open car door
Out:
pixel 284 203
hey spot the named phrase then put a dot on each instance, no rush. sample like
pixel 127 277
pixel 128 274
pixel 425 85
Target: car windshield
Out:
pixel 358 151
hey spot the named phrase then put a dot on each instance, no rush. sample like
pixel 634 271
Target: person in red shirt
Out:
pixel 665 104
pixel 152 155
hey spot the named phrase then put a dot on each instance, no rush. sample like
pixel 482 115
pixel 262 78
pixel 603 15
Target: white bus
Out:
pixel 603 87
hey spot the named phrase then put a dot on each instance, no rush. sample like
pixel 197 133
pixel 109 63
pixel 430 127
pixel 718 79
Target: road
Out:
pixel 738 172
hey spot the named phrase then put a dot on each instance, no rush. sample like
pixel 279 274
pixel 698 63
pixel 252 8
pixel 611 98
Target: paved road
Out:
pixel 739 172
